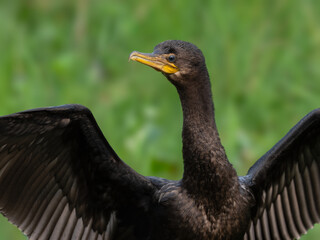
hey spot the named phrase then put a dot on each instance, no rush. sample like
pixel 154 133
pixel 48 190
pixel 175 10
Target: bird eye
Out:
pixel 171 58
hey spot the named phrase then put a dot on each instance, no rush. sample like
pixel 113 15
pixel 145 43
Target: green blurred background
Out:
pixel 263 58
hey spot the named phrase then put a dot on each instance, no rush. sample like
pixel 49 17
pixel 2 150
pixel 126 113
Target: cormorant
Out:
pixel 60 179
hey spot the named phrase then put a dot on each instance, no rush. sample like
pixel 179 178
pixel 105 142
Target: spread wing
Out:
pixel 285 183
pixel 60 179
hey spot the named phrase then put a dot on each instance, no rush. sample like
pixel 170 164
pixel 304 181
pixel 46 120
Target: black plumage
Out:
pixel 60 179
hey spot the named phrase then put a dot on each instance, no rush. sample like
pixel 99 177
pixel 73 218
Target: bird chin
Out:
pixel 175 78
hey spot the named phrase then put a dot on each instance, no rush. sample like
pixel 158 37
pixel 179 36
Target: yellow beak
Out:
pixel 156 61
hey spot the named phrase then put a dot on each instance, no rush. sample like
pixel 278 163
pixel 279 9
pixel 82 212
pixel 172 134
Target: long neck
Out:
pixel 207 171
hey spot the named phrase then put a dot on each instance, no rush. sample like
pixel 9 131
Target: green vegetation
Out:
pixel 263 57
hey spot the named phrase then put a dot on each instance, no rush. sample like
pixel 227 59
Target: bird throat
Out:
pixel 207 171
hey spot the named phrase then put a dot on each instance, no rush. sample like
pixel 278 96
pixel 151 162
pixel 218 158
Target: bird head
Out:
pixel 181 62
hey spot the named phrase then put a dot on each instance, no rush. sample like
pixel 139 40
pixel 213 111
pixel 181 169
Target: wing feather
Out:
pixel 60 179
pixel 285 183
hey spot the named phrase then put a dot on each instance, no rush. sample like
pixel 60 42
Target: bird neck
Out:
pixel 207 170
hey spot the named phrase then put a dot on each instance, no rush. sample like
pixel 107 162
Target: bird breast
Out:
pixel 187 218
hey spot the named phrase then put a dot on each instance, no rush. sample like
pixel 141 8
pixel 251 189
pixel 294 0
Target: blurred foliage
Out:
pixel 263 57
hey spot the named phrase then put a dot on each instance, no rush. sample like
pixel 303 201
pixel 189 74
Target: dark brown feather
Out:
pixel 60 179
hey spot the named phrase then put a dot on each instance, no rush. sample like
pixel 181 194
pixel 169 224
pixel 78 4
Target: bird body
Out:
pixel 181 216
pixel 60 178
